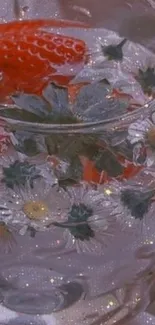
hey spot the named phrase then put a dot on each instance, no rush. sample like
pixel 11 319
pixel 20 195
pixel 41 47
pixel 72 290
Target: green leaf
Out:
pixel 19 115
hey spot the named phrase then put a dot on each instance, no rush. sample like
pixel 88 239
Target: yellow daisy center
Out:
pixel 35 210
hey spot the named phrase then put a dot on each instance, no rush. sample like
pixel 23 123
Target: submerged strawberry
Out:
pixel 101 173
pixel 30 56
pixel 129 169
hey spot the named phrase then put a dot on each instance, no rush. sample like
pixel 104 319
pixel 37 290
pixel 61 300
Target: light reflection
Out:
pixel 111 303
pixel 148 242
pixel 108 191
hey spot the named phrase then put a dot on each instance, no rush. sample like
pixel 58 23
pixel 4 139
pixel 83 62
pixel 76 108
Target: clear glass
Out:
pixel 47 274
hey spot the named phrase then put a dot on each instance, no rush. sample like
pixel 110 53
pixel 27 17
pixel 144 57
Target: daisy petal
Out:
pixel 31 103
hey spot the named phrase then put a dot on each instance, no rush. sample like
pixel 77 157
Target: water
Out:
pixel 75 248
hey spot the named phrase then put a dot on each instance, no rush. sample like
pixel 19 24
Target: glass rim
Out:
pixel 75 128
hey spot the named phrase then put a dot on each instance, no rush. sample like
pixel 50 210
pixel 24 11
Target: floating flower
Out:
pixel 137 202
pixel 119 79
pixel 142 71
pixel 91 104
pixel 129 203
pixel 114 52
pixel 120 62
pixel 85 227
pixel 16 169
pixel 18 173
pixel 29 144
pixel 53 108
pixel 32 207
pixel 96 102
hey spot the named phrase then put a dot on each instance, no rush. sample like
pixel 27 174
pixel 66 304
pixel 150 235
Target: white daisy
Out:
pixel 129 203
pixel 16 169
pixel 33 207
pixel 119 79
pixel 126 60
pixel 119 52
pixel 85 227
pixel 120 62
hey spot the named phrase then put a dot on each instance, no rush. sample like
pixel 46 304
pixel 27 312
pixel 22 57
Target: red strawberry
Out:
pixel 30 56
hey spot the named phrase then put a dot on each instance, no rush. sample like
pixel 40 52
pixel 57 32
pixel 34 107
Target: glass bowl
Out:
pixel 77 199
